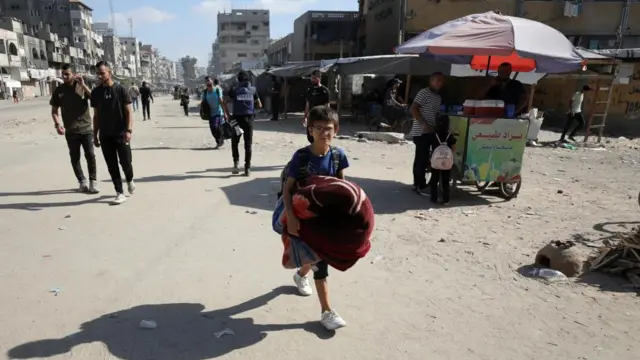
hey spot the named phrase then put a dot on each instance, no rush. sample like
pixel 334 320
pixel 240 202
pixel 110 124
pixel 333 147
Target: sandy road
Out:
pixel 193 250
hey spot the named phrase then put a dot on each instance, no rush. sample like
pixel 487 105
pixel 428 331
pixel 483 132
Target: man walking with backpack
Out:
pixel 213 108
pixel 245 100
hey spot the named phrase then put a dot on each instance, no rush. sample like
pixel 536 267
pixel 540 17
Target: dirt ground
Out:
pixel 194 251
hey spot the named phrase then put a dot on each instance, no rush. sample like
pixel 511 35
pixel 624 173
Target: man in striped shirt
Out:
pixel 424 110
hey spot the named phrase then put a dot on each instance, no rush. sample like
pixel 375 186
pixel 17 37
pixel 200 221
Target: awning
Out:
pixel 10 83
pixel 24 76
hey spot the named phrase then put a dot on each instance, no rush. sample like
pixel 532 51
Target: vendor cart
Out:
pixel 489 151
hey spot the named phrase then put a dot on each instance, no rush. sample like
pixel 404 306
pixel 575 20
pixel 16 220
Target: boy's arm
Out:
pixel 342 166
pixel 287 196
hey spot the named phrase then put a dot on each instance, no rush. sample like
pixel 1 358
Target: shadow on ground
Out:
pixel 387 196
pixel 184 331
pixel 37 206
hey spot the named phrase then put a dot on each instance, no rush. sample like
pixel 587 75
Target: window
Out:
pixel 266 24
pixel 241 41
pixel 34 53
pixel 15 7
pixel 242 55
pixel 255 27
pixel 255 42
pixel 255 55
pixel 43 56
pixel 62 8
pixel 75 22
pixel 48 7
pixel 3 49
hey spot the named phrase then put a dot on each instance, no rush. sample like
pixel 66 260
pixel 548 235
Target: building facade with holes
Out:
pixel 10 63
pixel 241 35
pixel 593 25
pixel 321 35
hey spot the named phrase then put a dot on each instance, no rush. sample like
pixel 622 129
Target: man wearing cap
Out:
pixel 575 113
pixel 245 100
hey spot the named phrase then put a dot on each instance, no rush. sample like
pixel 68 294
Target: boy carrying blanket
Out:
pixel 322 218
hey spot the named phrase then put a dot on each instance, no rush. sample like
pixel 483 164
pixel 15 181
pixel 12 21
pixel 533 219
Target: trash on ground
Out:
pixel 67 216
pixel 148 324
pixel 549 275
pixel 252 212
pixel 62 228
pixel 224 332
pixel 55 291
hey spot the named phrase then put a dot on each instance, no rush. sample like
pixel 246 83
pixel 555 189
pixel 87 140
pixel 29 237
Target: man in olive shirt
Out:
pixel 73 97
pixel 113 128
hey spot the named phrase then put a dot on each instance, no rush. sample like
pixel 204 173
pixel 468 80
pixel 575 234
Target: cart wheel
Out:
pixel 638 198
pixel 482 185
pixel 511 189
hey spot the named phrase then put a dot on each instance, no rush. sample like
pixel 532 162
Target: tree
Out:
pixel 189 66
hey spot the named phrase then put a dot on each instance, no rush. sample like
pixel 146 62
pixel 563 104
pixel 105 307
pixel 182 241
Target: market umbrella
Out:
pixel 488 39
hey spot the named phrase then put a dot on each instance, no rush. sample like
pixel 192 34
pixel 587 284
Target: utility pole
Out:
pixel 130 20
pixel 402 19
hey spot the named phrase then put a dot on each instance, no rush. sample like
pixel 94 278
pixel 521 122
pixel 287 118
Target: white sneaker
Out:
pixel 93 187
pixel 302 282
pixel 131 187
pixel 332 321
pixel 83 186
pixel 120 198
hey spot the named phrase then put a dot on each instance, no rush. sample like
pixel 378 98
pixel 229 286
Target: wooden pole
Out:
pixel 406 89
pixel 339 99
pixel 286 98
pixel 532 90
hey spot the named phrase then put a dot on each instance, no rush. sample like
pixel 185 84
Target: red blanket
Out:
pixel 336 220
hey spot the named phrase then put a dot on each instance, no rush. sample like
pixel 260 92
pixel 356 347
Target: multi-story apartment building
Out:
pixel 279 52
pixel 166 69
pixel 69 19
pixel 242 35
pixel 103 29
pixel 148 63
pixel 594 24
pixel 132 48
pixel 10 63
pixel 324 35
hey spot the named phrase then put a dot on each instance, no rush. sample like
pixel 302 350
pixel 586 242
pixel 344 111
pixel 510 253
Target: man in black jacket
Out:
pixel 145 97
pixel 113 128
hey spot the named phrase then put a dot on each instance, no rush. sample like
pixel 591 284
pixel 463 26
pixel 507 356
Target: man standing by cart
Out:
pixel 509 90
pixel 424 110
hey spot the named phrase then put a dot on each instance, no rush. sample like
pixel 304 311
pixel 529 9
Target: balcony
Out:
pixel 81 45
pixel 55 57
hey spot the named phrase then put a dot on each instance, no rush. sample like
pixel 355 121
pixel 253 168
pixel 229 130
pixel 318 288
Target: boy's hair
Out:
pixel 323 113
pixel 442 124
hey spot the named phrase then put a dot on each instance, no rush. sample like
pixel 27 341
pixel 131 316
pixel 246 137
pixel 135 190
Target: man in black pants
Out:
pixel 245 100
pixel 112 128
pixel 73 98
pixel 145 97
pixel 275 98
pixel 575 114
pixel 317 95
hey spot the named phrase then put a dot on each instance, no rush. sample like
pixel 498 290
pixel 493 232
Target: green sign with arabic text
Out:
pixel 495 149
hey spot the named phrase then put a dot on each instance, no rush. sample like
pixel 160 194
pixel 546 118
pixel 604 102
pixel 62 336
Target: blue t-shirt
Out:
pixel 213 99
pixel 244 99
pixel 318 165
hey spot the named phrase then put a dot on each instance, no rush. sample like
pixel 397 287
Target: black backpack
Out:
pixel 304 156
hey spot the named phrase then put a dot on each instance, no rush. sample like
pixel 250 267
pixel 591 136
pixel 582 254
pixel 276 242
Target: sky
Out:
pixel 188 27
